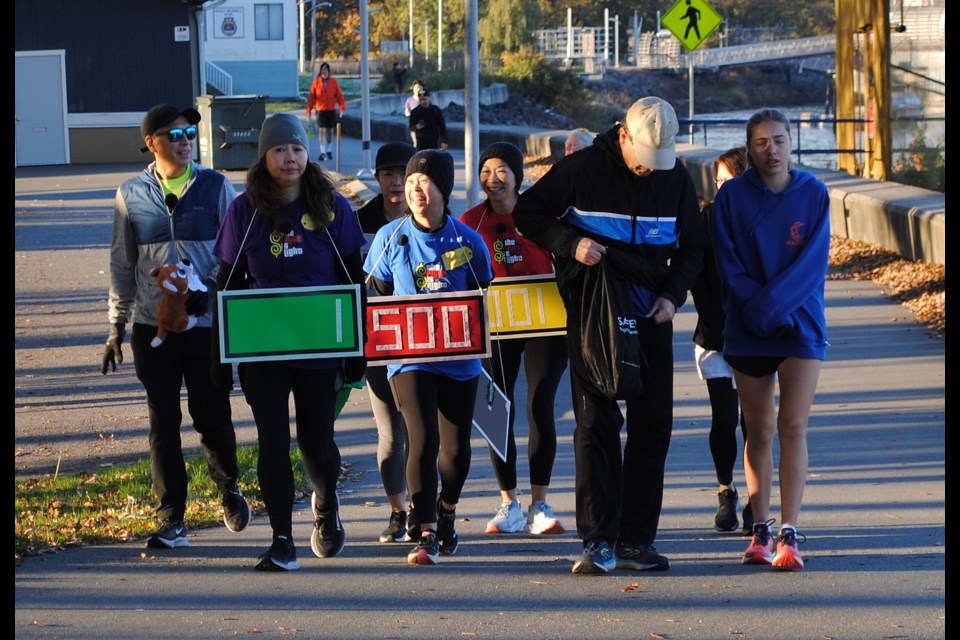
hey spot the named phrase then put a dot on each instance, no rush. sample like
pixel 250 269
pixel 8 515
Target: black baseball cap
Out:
pixel 163 114
pixel 394 154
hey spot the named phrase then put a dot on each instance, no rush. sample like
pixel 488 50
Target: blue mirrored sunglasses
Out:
pixel 174 135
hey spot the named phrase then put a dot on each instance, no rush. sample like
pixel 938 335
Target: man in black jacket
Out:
pixel 629 193
pixel 427 124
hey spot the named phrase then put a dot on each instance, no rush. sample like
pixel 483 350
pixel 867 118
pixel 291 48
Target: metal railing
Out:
pixel 219 79
pixel 702 125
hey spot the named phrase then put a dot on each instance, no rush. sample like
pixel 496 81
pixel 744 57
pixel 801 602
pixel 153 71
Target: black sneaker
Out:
pixel 748 520
pixel 329 155
pixel 413 527
pixel 640 557
pixel 236 511
pixel 172 533
pixel 597 557
pixel 396 531
pixel 427 551
pixel 328 536
pixel 726 518
pixel 446 531
pixel 281 556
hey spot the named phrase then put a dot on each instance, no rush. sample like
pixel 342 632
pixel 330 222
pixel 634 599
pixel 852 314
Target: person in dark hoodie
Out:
pixel 771 229
pixel 712 368
pixel 629 200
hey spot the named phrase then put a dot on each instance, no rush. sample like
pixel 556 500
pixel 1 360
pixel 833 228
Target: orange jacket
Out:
pixel 325 99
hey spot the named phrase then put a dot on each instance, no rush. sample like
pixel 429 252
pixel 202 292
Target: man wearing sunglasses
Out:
pixel 169 214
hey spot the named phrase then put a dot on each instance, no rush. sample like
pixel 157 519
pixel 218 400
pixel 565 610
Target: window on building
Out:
pixel 268 21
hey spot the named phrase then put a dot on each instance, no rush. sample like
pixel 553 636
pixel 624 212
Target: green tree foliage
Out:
pixel 507 25
pixel 528 74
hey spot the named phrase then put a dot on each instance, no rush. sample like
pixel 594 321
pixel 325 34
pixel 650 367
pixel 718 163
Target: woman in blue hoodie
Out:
pixel 772 240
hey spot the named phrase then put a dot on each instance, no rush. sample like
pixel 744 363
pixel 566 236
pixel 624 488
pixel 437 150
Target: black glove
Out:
pixel 222 375
pixel 353 369
pixel 785 332
pixel 112 354
pixel 198 303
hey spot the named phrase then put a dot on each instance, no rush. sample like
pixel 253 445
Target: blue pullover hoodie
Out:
pixel 772 251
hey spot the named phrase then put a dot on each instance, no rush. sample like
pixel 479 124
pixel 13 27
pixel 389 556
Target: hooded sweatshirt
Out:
pixel 772 251
pixel 651 225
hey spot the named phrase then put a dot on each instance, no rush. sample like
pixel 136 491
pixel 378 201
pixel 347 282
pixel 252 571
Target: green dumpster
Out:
pixel 229 130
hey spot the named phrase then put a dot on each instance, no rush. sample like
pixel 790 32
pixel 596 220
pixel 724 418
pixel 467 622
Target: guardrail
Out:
pixel 703 125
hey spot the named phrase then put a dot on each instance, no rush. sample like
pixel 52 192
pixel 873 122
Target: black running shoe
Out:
pixel 172 533
pixel 640 557
pixel 236 511
pixel 328 536
pixel 748 520
pixel 726 518
pixel 446 530
pixel 413 526
pixel 427 551
pixel 597 557
pixel 281 556
pixel 396 530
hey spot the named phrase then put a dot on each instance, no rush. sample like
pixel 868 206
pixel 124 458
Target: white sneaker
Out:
pixel 509 518
pixel 541 521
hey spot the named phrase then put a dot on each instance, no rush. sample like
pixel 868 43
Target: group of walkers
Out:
pixel 755 259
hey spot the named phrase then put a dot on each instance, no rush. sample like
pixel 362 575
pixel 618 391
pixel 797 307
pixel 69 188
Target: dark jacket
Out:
pixel 706 296
pixel 434 130
pixel 654 221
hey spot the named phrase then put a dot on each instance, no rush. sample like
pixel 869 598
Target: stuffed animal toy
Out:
pixel 176 281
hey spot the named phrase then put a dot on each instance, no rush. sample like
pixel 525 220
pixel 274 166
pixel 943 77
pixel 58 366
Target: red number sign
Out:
pixel 441 326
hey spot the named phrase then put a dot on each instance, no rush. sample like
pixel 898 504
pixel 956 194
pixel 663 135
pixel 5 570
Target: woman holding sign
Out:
pixel 291 228
pixel 544 358
pixel 430 253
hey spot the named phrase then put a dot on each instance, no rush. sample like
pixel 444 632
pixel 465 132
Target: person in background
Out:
pixel 425 253
pixel 627 199
pixel 388 205
pixel 708 355
pixel 398 74
pixel 325 96
pixel 771 229
pixel 292 228
pixel 576 140
pixel 427 124
pixel 411 103
pixel 544 359
pixel 169 214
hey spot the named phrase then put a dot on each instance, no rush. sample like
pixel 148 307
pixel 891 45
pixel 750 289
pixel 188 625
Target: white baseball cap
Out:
pixel 652 124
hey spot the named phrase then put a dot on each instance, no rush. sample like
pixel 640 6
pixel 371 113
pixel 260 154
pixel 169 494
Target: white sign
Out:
pixel 181 34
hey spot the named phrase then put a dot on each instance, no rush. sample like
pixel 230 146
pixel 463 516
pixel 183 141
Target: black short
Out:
pixel 327 119
pixel 755 366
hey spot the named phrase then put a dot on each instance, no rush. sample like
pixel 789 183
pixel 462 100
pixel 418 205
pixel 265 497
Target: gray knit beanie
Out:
pixel 438 165
pixel 509 153
pixel 281 128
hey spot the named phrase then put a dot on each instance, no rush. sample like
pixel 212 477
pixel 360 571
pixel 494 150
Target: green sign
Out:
pixel 296 323
pixel 692 21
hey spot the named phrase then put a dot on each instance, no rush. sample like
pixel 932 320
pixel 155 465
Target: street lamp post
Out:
pixel 365 171
pixel 410 48
pixel 439 35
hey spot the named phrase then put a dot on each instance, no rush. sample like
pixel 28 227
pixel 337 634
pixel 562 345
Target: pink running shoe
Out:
pixel 788 556
pixel 761 546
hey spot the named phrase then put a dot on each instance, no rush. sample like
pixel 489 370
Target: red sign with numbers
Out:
pixel 440 326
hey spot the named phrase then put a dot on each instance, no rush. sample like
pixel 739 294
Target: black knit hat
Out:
pixel 509 153
pixel 394 154
pixel 438 165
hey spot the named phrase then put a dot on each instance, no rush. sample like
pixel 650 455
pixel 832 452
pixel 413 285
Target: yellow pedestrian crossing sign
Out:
pixel 692 21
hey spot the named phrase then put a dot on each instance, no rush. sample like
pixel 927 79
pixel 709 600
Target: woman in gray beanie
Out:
pixel 544 357
pixel 291 228
pixel 426 253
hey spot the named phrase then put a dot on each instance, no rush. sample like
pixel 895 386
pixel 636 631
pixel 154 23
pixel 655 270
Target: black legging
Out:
pixel 439 414
pixel 725 413
pixel 544 361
